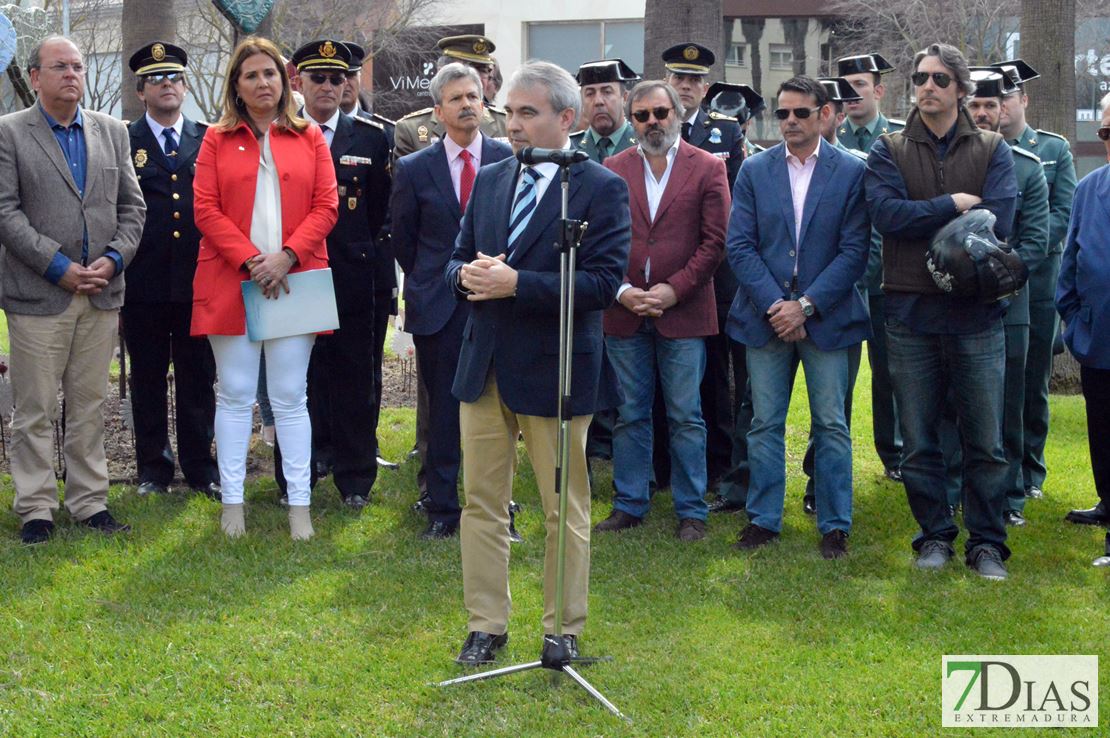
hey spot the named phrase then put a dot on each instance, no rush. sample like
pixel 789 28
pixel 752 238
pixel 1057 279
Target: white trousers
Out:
pixel 237 359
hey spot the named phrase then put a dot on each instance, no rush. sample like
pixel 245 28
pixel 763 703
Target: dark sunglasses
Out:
pixel 338 79
pixel 1103 133
pixel 799 113
pixel 941 79
pixel 157 79
pixel 660 113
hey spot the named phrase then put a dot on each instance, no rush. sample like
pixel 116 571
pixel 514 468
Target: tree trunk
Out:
pixel 144 21
pixel 679 21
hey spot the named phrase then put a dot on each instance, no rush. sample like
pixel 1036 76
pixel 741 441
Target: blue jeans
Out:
pixel 680 363
pixel 770 371
pixel 924 370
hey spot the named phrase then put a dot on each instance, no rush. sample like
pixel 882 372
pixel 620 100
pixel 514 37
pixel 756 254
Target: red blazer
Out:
pixel 686 242
pixel 223 191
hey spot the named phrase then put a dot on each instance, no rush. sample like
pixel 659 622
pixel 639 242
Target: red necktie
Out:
pixel 466 179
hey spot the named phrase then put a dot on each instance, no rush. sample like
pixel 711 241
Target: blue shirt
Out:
pixel 893 213
pixel 71 139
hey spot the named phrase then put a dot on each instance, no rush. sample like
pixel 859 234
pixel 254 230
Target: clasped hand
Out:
pixel 269 271
pixel 649 303
pixel 488 278
pixel 788 319
pixel 90 280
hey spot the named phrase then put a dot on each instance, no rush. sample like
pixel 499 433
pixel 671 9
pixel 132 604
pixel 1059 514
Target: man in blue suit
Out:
pixel 430 192
pixel 798 240
pixel 508 376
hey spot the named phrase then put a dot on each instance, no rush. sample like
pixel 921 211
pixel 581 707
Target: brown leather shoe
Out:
pixel 834 544
pixel 690 529
pixel 753 537
pixel 618 520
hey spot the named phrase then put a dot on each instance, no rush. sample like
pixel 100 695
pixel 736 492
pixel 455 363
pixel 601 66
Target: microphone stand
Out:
pixel 558 658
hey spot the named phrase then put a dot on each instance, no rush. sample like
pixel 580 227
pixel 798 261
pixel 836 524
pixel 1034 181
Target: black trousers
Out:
pixel 438 357
pixel 383 308
pixel 156 335
pixel 1096 393
pixel 342 405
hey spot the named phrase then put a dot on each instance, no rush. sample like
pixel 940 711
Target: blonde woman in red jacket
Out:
pixel 265 200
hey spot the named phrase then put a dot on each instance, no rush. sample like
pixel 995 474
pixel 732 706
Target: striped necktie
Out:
pixel 523 206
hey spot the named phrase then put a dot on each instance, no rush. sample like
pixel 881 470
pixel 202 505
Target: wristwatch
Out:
pixel 807 306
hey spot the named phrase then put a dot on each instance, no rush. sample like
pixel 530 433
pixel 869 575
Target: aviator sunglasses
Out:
pixel 660 113
pixel 157 79
pixel 337 79
pixel 799 113
pixel 941 79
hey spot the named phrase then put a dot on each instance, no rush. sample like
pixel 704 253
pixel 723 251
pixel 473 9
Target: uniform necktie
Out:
pixel 524 204
pixel 171 146
pixel 466 179
pixel 687 129
pixel 862 135
pixel 603 145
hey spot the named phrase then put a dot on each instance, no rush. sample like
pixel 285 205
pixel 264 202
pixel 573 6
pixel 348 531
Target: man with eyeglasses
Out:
pixel 798 302
pixel 341 380
pixel 665 307
pixel 158 307
pixel 993 91
pixel 918 180
pixel 863 127
pixel 1083 299
pixel 71 216
pixel 1044 323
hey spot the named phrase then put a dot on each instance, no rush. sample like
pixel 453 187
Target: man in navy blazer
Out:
pixel 1083 299
pixel 430 192
pixel 798 240
pixel 506 265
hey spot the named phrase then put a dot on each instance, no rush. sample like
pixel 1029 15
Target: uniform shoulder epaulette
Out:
pixel 371 123
pixel 757 148
pixel 203 123
pixel 1028 154
pixel 577 134
pixel 896 122
pixel 382 119
pixel 713 114
pixel 1050 133
pixel 416 114
pixel 496 110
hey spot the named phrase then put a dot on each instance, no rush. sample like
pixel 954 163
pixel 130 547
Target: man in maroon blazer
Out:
pixel 679 201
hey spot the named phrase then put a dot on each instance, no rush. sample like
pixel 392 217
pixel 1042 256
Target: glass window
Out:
pixel 737 55
pixel 571 44
pixel 624 40
pixel 782 56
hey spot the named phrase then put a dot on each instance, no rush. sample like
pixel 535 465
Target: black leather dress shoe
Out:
pixel 1013 518
pixel 894 475
pixel 558 651
pixel 809 505
pixel 150 488
pixel 480 648
pixel 418 506
pixel 725 505
pixel 1096 515
pixel 438 529
pixel 514 536
pixel 1033 492
pixel 105 523
pixel 36 531
pixel 356 502
pixel 211 490
pixel 617 520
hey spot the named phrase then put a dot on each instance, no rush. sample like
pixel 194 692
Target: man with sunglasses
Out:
pixel 918 180
pixel 1044 323
pixel 863 127
pixel 798 241
pixel 341 380
pixel 158 305
pixel 993 91
pixel 665 307
pixel 353 99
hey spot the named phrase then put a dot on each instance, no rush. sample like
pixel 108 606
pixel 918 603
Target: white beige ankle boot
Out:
pixel 300 523
pixel 231 520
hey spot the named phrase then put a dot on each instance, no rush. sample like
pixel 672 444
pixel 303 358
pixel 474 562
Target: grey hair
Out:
pixel 1103 104
pixel 952 58
pixel 452 73
pixel 648 86
pixel 34 59
pixel 562 90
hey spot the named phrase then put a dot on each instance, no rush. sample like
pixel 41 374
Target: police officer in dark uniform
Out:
pixel 351 103
pixel 159 301
pixel 688 66
pixel 341 375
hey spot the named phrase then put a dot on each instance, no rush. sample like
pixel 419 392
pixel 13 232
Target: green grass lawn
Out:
pixel 174 630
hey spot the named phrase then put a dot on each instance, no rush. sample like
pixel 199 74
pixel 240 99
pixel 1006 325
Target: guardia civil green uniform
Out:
pixel 589 139
pixel 605 72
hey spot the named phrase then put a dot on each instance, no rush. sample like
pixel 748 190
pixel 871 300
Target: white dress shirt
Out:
pixel 801 173
pixel 156 128
pixel 327 126
pixel 455 162
pixel 654 188
pixel 545 172
pixel 266 216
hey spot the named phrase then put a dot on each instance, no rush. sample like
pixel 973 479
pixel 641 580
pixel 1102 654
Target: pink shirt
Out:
pixel 455 163
pixel 800 175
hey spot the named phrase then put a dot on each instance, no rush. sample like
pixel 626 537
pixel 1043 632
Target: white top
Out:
pixel 655 189
pixel 800 175
pixel 455 162
pixel 545 174
pixel 156 128
pixel 328 126
pixel 266 216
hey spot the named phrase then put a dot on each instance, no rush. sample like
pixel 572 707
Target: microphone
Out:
pixel 563 157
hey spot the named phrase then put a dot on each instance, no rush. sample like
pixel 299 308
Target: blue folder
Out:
pixel 308 308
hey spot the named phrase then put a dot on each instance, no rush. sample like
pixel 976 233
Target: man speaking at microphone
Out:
pixel 507 382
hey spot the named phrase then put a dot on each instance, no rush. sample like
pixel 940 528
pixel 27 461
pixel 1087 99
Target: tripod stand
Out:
pixel 556 656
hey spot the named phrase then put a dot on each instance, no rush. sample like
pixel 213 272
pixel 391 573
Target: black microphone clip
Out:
pixel 530 155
